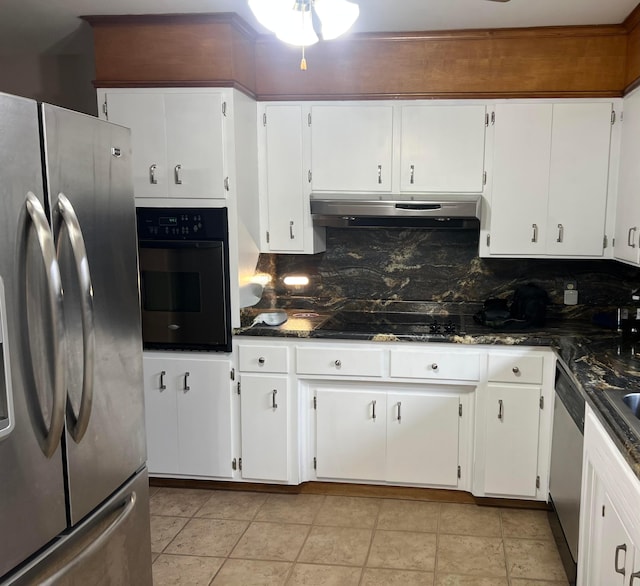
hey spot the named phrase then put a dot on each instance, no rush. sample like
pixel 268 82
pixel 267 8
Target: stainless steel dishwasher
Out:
pixel 565 479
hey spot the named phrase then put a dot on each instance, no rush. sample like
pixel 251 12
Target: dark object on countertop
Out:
pixel 530 305
pixel 605 319
pixel 494 313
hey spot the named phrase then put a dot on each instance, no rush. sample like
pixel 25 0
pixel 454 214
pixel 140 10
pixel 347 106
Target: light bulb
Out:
pixel 336 16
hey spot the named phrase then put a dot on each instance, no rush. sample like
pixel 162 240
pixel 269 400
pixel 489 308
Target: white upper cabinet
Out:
pixel 285 183
pixel 627 247
pixel 550 179
pixel 178 140
pixel 442 148
pixel 351 147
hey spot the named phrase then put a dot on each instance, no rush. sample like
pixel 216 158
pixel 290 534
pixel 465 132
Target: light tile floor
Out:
pixel 232 538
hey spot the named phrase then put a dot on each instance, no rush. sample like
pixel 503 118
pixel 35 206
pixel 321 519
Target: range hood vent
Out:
pixel 442 212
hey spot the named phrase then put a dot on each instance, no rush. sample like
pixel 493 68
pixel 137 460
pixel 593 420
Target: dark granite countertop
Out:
pixel 600 361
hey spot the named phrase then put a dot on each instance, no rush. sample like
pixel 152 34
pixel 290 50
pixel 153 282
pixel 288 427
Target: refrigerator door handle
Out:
pixel 69 220
pixel 54 284
pixel 94 546
pixel 7 421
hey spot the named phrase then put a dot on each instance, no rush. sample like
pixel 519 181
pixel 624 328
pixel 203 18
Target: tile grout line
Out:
pixel 438 529
pixel 373 534
pixel 504 549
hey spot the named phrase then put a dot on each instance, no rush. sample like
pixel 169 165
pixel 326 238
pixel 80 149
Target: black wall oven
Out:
pixel 184 278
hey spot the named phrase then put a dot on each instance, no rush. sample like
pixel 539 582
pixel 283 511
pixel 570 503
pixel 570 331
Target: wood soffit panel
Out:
pixel 576 61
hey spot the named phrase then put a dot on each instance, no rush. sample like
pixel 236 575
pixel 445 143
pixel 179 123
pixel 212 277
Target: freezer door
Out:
pixel 32 500
pixel 111 547
pixel 88 178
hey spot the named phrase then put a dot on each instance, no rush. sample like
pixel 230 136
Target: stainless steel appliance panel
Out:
pixel 88 174
pixel 104 550
pixel 32 505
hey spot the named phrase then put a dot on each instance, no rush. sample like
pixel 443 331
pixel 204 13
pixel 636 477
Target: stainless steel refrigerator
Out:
pixel 73 481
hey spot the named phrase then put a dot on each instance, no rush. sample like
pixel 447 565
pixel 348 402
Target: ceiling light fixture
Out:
pixel 294 21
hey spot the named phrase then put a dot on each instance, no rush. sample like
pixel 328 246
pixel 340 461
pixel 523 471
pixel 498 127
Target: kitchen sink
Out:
pixel 628 407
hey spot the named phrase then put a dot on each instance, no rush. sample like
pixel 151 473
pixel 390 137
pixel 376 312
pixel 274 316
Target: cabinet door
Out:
pixel 264 424
pixel 578 179
pixel 144 114
pixel 616 549
pixel 351 148
pixel 422 439
pixel 195 145
pixel 520 185
pixel 628 204
pixel 204 416
pixel 161 417
pixel 285 178
pixel 512 431
pixel 350 434
pixel 442 148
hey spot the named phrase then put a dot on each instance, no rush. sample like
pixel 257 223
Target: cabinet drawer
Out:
pixel 263 359
pixel 510 368
pixel 437 365
pixel 339 361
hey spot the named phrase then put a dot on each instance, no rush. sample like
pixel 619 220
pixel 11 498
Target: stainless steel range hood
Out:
pixel 442 211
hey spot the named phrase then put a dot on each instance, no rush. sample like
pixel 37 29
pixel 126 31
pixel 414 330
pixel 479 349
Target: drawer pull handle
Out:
pixel 338 364
pixel 399 407
pixel 618 569
pixel 434 366
pixel 515 370
pixel 274 405
pixel 534 236
pixel 631 237
pixel 163 386
pixel 500 409
pixel 152 174
pixel 186 386
pixel 373 409
pixel 633 577
pixel 261 360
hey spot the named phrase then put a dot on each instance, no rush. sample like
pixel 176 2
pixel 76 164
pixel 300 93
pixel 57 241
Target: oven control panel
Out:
pixel 182 223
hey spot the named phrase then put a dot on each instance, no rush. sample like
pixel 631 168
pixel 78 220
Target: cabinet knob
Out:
pixel 261 360
pixel 338 363
pixel 434 366
pixel 515 370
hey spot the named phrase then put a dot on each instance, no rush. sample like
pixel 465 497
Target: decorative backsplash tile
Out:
pixel 437 265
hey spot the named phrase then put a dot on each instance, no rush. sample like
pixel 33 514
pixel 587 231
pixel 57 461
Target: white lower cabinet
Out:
pixel 401 437
pixel 264 427
pixel 188 415
pixel 609 544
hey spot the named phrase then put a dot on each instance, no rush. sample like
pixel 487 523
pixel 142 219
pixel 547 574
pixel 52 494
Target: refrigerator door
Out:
pixel 88 177
pixel 32 499
pixel 110 547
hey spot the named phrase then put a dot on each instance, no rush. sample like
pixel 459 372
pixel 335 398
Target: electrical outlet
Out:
pixel 570 293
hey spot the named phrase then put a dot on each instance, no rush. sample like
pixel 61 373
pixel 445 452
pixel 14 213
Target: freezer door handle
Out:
pixel 7 419
pixel 54 284
pixel 94 546
pixel 67 219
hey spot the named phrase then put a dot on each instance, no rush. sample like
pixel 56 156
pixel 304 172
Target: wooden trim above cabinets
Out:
pixel 195 50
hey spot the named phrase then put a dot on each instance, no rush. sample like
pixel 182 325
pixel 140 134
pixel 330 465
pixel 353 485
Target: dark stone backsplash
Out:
pixel 437 265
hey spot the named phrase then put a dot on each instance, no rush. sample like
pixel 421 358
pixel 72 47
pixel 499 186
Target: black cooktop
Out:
pixel 393 322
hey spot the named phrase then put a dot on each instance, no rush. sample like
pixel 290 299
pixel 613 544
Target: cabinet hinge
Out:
pixel 264 119
pixel 309 175
pixel 493 118
pixel 105 108
pixel 613 242
pixel 232 374
pixel 542 402
pixel 315 463
pixel 486 119
pixel 267 236
pixel 605 241
pixel 488 239
pixel 234 464
pixel 459 472
pixel 309 119
pixel 613 117
pixel 226 184
pixel 224 108
pixel 603 510
pixel 315 403
pixel 238 387
pixel 460 409
pixel 240 463
pixel 484 178
pixel 537 482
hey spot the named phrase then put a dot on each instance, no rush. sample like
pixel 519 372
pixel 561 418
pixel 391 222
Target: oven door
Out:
pixel 184 296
